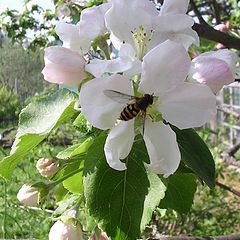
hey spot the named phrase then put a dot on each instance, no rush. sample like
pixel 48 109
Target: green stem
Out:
pixel 105 49
pixel 53 184
pixel 79 158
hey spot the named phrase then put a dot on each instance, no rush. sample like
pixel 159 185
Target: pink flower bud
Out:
pixel 214 69
pixel 63 66
pixel 222 27
pixel 28 195
pixel 220 46
pixel 65 230
pixel 47 167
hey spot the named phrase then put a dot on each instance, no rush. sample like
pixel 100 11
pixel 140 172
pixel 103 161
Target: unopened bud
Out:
pixel 215 69
pixel 47 167
pixel 28 195
pixel 65 230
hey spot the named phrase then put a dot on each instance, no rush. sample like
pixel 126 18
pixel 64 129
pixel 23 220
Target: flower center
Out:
pixel 141 39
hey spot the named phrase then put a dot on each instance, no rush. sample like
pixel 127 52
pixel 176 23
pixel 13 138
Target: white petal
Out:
pixel 119 144
pixel 178 22
pixel 163 67
pixel 63 66
pixel 180 30
pixel 101 111
pixel 174 7
pixel 92 24
pixel 162 148
pixel 69 34
pixel 127 51
pixel 125 62
pixel 188 105
pixel 98 67
pixel 124 16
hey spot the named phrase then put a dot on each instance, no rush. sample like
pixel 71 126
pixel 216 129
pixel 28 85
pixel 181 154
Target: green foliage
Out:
pixel 17 25
pixel 122 201
pixel 10 104
pixel 196 155
pixel 180 193
pixel 36 121
pixel 21 70
pixel 22 222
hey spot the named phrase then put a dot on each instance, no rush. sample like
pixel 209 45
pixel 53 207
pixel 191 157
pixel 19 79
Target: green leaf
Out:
pixel 180 192
pixel 60 192
pixel 121 201
pixel 82 124
pixel 74 184
pixel 36 121
pixel 76 149
pixel 66 204
pixel 196 154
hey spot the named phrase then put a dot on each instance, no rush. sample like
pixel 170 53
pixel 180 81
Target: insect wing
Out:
pixel 118 96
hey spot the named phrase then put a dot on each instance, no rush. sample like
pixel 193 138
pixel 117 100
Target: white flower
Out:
pixel 184 105
pixel 127 62
pixel 136 27
pixel 65 230
pixel 215 69
pixel 66 64
pixel 28 195
pixel 92 24
pixel 69 35
pixel 47 167
pixel 138 23
pixel 63 66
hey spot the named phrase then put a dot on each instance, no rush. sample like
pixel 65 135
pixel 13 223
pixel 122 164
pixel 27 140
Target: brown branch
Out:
pixel 227 237
pixel 229 189
pixel 210 33
pixel 233 149
pixel 216 11
pixel 197 12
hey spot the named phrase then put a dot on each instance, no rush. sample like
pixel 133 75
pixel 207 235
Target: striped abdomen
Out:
pixel 129 112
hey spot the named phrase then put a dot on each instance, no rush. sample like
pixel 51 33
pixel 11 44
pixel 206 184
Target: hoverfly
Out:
pixel 135 105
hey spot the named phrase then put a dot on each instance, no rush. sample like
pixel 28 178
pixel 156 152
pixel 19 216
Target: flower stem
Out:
pixel 53 184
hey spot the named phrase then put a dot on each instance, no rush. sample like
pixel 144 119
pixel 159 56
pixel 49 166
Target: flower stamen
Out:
pixel 141 39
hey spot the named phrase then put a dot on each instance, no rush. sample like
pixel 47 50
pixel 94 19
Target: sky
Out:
pixel 18 4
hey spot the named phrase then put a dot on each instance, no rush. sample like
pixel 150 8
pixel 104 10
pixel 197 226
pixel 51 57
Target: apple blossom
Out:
pixel 183 104
pixel 136 27
pixel 67 227
pixel 47 167
pixel 28 195
pixel 66 64
pixel 141 25
pixel 62 230
pixel 222 27
pixel 92 24
pixel 215 69
pixel 69 35
pixel 63 66
pixel 127 62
